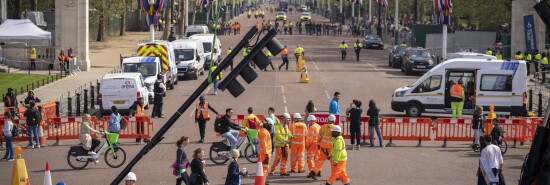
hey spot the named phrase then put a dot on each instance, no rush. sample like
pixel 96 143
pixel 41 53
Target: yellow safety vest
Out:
pixel 33 53
pixel 285 25
pixel 357 45
pixel 544 61
pixel 298 50
pixel 228 52
pixel 403 45
pixel 245 52
pixel 529 57
pixel 282 135
pixel 267 53
pixel 343 46
pixel 538 56
pixel 212 70
pixel 290 24
pixel 499 56
pixel 338 152
pixel 489 52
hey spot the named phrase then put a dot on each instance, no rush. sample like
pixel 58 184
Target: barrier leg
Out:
pixel 364 141
pixel 56 141
pixel 41 138
pixel 515 141
pixel 444 143
pixel 521 143
pixel 419 142
pixel 390 143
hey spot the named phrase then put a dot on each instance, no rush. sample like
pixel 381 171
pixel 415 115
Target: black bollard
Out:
pixel 98 86
pixel 540 105
pixel 530 100
pixel 92 98
pixel 77 104
pixel 69 106
pixel 85 100
pixel 57 112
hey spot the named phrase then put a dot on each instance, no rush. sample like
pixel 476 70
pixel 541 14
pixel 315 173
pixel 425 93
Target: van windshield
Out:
pixel 184 54
pixel 207 47
pixel 116 85
pixel 146 69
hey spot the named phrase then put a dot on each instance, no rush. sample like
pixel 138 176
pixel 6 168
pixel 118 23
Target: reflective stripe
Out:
pixel 298 143
pixel 299 134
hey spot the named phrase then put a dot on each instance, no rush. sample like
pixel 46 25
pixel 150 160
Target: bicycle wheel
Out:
pixel 115 158
pixel 249 154
pixel 503 146
pixel 218 157
pixel 76 163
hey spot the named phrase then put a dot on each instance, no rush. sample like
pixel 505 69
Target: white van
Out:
pixel 501 83
pixel 206 40
pixel 196 29
pixel 149 67
pixel 471 55
pixel 165 51
pixel 121 90
pixel 189 57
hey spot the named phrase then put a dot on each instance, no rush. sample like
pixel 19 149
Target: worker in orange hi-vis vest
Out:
pixel 264 145
pixel 311 142
pixel 298 144
pixel 138 109
pixel 202 115
pixel 325 145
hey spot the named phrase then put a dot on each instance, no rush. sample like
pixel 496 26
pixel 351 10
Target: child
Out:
pixel 496 132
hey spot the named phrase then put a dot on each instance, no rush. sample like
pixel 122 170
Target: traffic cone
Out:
pixel 47 175
pixel 260 180
pixel 19 174
pixel 299 63
pixel 304 77
pixel 41 137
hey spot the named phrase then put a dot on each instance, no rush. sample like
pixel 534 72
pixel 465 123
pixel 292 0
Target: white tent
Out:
pixel 24 30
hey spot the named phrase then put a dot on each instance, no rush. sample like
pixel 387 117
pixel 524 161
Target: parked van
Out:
pixel 486 82
pixel 471 55
pixel 165 51
pixel 149 67
pixel 196 29
pixel 190 57
pixel 121 90
pixel 206 40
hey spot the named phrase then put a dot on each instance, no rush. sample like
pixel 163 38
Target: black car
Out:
pixel 417 60
pixel 395 59
pixel 373 41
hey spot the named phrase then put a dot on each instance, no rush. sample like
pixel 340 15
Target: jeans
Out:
pixel 33 131
pixel 232 136
pixel 371 134
pixel 184 178
pixel 9 148
pixel 216 86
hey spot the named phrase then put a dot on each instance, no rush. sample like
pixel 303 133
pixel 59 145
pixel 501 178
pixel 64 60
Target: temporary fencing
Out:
pixel 453 129
pixel 131 130
pixel 406 129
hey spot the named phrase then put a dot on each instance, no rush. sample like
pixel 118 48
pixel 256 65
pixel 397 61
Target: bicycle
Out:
pixel 78 157
pixel 502 144
pixel 220 151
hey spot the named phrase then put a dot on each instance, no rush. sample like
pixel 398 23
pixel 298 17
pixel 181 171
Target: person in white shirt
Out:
pixel 493 155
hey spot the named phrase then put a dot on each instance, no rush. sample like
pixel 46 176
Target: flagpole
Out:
pixel 396 22
pixel 353 11
pixel 370 11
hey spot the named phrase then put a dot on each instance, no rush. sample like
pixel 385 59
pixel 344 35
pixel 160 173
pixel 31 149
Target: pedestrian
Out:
pixel 354 112
pixel 233 173
pixel 271 114
pixel 138 109
pixel 88 142
pixel 61 57
pixel 284 57
pixel 298 145
pixel 324 147
pixel 217 79
pixel 31 97
pixel 290 25
pixel 114 121
pixel 159 89
pixel 68 58
pixel 33 120
pixel 338 156
pixel 226 55
pixel 269 55
pixel 479 120
pixel 33 58
pixel 357 46
pixel 492 154
pixel 285 26
pixel 264 146
pixel 202 115
pixel 310 108
pixel 497 132
pixel 528 60
pixel 334 107
pixel 226 126
pixel 457 98
pixel 182 162
pixel 374 123
pixel 251 121
pixel 544 66
pixel 299 51
pixel 489 52
pixel 10 102
pixel 198 175
pixel 343 50
pixel 130 179
pixel 312 139
pixel 8 130
pixel 282 141
pixel 537 60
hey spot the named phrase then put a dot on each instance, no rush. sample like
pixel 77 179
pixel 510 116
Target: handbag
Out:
pixel 183 167
pixel 123 123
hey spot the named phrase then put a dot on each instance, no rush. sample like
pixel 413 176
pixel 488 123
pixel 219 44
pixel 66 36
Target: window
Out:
pixel 496 83
pixel 431 84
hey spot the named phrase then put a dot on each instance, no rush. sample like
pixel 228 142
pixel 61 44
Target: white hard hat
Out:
pixel 286 115
pixel 131 176
pixel 297 116
pixel 332 118
pixel 336 128
pixel 311 118
pixel 269 121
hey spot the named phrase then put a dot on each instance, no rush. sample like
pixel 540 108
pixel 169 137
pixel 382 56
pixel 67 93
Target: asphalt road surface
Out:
pixel 369 78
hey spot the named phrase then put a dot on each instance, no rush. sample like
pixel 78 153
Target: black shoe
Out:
pixel 292 171
pixel 201 140
pixel 161 116
pixel 137 140
pixel 318 174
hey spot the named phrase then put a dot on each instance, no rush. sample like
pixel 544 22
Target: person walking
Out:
pixel 284 57
pixel 354 112
pixel 457 98
pixel 334 107
pixel 233 173
pixel 298 145
pixel 282 140
pixel 297 52
pixel 479 121
pixel 202 115
pixel 290 25
pixel 182 162
pixel 198 175
pixel 33 58
pixel 544 66
pixel 33 120
pixel 269 55
pixel 374 124
pixel 343 50
pixel 227 54
pixel 88 143
pixel 264 146
pixel 339 157
pixel 357 46
pixel 492 154
pixel 324 146
pixel 138 109
pixel 7 130
pixel 312 139
pixel 217 79
pixel 159 89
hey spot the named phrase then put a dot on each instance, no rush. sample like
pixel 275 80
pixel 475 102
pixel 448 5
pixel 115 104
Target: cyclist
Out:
pixel 88 142
pixel 114 122
pixel 496 132
pixel 226 126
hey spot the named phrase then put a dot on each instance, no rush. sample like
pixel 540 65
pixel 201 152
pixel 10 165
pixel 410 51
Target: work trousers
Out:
pixel 357 51
pixel 297 157
pixel 338 171
pixel 140 129
pixel 285 61
pixel 457 109
pixel 202 125
pixel 344 54
pixel 312 155
pixel 33 65
pixel 265 167
pixel 157 109
pixel 323 156
pixel 281 156
pixel 355 133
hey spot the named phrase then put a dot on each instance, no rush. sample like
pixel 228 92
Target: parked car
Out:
pixel 303 8
pixel 417 60
pixel 280 16
pixel 373 41
pixel 395 59
pixel 306 16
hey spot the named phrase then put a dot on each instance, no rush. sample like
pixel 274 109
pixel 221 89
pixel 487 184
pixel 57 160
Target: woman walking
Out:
pixel 374 123
pixel 182 162
pixel 8 128
pixel 479 120
pixel 354 112
pixel 233 172
pixel 198 177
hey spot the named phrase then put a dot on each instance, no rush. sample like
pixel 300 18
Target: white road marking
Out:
pixel 326 92
pixel 286 109
pixel 284 99
pixel 315 64
pixel 375 68
pixel 322 79
pixel 282 88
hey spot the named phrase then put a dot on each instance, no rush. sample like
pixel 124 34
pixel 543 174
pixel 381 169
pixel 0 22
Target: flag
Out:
pixel 383 2
pixel 203 2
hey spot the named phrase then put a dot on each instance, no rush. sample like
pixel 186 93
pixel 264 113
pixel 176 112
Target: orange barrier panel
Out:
pixel 515 129
pixel 531 126
pixel 66 128
pixel 22 125
pixel 131 129
pixel 345 125
pixel 453 129
pixel 48 110
pixel 406 129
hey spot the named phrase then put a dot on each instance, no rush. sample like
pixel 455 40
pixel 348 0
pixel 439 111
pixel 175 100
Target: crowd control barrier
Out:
pixel 406 129
pixel 345 124
pixel 514 128
pixel 453 129
pixel 67 128
pixel 131 130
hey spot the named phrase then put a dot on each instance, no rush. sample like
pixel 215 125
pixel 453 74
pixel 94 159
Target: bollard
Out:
pixel 57 112
pixel 77 104
pixel 98 86
pixel 32 85
pixel 21 90
pixel 85 100
pixel 92 106
pixel 540 105
pixel 530 100
pixel 69 107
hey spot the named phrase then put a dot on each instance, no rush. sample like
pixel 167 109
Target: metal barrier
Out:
pixel 406 129
pixel 453 129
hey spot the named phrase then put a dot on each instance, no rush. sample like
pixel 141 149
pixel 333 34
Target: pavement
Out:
pixel 369 78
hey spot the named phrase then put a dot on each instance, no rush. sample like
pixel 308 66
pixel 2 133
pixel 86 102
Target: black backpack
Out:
pixel 38 116
pixel 218 125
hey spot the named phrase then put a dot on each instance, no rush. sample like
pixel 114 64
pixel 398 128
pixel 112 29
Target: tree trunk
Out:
pixel 123 19
pixel 101 22
pixel 194 11
pixel 167 19
pixel 182 18
pixel 34 5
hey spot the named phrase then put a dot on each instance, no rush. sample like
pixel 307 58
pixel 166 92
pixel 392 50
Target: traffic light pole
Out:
pixel 160 134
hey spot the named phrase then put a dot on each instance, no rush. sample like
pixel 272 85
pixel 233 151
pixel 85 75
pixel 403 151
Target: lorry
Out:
pixel 165 52
pixel 149 67
pixel 190 57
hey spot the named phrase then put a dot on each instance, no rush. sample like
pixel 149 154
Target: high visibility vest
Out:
pixel 403 45
pixel 204 111
pixel 544 61
pixel 529 57
pixel 299 132
pixel 517 57
pixel 212 70
pixel 290 24
pixel 325 137
pixel 284 51
pixel 299 50
pixel 140 111
pixel 357 45
pixel 456 91
pixel 285 25
pixel 61 57
pixel 489 52
pixel 282 135
pixel 264 142
pixel 343 46
pixel 313 134
pixel 245 52
pixel 499 56
pixel 228 52
pixel 257 25
pixel 33 53
pixel 338 151
pixel 267 53
pixel 538 56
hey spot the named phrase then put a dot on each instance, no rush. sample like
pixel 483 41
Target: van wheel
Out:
pixel 171 86
pixel 176 82
pixel 414 110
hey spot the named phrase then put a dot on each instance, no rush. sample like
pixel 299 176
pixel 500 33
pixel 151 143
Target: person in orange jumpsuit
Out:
pixel 282 140
pixel 338 158
pixel 311 142
pixel 325 145
pixel 264 145
pixel 298 144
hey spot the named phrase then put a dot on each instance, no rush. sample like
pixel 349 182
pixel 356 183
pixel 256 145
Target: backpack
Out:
pixel 253 123
pixel 38 116
pixel 218 125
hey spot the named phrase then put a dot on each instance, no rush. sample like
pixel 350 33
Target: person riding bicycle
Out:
pixel 114 122
pixel 88 143
pixel 226 126
pixel 496 132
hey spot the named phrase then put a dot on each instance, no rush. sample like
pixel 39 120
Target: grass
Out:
pixel 16 81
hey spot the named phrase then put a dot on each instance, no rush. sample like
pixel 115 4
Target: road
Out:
pixel 369 78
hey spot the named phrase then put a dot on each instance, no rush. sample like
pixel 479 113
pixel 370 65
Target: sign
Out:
pixel 322 118
pixel 530 37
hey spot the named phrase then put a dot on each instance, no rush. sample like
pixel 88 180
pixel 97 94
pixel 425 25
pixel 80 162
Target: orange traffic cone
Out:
pixel 41 137
pixel 304 77
pixel 47 175
pixel 260 180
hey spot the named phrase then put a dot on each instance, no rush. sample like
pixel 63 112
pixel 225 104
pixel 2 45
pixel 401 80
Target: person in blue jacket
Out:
pixel 233 172
pixel 333 108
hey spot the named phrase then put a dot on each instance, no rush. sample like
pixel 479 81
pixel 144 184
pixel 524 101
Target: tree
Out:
pixel 487 15
pixel 106 9
pixel 168 18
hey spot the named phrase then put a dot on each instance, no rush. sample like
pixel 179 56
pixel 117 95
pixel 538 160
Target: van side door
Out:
pixel 430 94
pixel 495 88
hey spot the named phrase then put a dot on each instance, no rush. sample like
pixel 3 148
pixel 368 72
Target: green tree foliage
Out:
pixel 483 14
pixel 106 9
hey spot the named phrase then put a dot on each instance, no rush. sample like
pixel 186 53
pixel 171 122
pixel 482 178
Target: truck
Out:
pixel 149 67
pixel 164 51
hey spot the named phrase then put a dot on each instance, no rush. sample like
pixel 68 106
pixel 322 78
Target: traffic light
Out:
pixel 243 68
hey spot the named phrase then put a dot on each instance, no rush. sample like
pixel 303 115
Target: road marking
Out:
pixel 286 110
pixel 322 79
pixel 375 68
pixel 282 89
pixel 284 99
pixel 315 64
pixel 326 92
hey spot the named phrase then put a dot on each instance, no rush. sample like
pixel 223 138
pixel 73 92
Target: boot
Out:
pixel 319 174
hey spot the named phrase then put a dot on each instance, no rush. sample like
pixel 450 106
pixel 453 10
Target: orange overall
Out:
pixel 339 157
pixel 298 146
pixel 325 145
pixel 264 148
pixel 311 145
